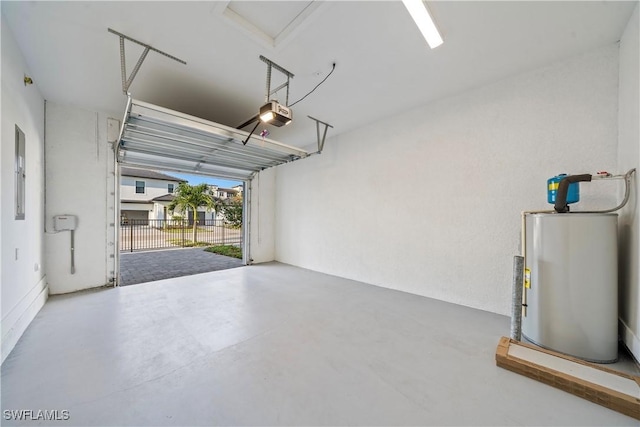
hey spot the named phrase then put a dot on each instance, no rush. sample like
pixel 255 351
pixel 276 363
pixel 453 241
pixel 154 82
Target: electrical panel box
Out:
pixel 64 222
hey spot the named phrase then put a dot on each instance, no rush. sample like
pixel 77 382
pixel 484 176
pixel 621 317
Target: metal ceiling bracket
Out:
pixel 324 133
pixel 269 92
pixel 126 81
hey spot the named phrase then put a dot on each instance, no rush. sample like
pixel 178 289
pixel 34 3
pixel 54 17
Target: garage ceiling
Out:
pixel 383 65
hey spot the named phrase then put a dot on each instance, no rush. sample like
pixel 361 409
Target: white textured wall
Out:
pixel 22 272
pixel 629 157
pixel 262 211
pixel 78 160
pixel 429 201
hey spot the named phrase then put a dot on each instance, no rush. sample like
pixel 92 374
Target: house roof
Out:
pixel 228 190
pixel 164 198
pixel 149 174
pixel 135 201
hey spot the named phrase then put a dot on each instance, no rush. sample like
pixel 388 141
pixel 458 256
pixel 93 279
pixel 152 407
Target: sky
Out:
pixel 199 179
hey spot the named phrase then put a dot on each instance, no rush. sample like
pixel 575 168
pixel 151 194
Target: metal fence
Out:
pixel 144 234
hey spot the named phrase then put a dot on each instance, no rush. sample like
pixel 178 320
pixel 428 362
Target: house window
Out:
pixel 170 188
pixel 20 173
pixel 139 187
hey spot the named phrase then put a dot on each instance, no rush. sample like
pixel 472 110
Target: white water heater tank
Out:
pixel 571 284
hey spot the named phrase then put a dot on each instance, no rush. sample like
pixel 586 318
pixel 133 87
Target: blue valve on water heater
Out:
pixel 573 195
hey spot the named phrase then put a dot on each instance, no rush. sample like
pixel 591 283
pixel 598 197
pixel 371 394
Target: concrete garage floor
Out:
pixel 274 345
pixel 140 267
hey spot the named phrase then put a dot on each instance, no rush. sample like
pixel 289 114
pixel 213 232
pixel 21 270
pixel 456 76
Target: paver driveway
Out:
pixel 140 267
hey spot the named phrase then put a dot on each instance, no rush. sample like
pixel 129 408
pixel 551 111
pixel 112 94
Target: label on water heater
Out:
pixel 527 278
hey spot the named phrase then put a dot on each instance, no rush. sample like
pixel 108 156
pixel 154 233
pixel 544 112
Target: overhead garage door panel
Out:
pixel 159 138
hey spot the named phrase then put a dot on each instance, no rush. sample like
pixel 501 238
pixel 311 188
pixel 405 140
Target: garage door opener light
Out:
pixel 276 114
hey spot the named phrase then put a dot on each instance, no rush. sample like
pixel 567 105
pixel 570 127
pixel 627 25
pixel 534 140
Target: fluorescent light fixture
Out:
pixel 423 20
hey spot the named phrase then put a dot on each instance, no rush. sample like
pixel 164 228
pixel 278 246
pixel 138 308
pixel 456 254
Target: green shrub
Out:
pixel 187 243
pixel 226 250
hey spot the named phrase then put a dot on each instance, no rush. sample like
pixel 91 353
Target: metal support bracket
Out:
pixel 269 92
pixel 126 81
pixel 324 134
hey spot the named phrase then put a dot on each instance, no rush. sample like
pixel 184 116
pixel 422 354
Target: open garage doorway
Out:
pixel 173 224
pixel 156 139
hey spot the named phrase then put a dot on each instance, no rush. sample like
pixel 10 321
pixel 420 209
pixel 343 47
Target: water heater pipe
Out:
pixel 563 188
pixel 627 190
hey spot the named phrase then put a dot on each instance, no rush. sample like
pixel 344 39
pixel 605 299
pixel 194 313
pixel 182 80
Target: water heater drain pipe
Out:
pixel 516 317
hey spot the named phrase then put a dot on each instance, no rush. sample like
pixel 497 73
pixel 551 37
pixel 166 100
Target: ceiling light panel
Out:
pixel 420 14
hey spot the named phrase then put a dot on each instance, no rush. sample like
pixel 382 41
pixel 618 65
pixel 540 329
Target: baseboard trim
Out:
pixel 18 319
pixel 630 339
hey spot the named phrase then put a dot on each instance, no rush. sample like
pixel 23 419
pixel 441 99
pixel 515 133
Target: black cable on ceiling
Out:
pixel 312 90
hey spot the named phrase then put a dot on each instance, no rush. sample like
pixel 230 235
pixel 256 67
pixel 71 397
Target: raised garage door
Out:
pixel 159 138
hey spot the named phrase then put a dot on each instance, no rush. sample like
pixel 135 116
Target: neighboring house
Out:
pixel 239 189
pixel 145 194
pixel 225 193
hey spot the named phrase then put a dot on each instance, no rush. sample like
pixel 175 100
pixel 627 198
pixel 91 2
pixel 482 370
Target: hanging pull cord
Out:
pixel 251 133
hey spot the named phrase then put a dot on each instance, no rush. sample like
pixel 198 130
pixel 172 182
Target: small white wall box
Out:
pixel 64 222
